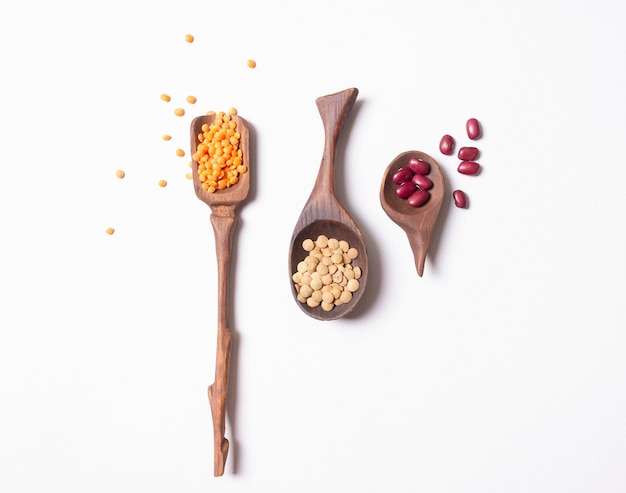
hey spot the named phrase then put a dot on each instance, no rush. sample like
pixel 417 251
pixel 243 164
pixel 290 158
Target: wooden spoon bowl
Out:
pixel 323 214
pixel 332 229
pixel 417 222
pixel 223 204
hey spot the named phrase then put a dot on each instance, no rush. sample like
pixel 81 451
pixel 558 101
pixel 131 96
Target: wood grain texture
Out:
pixel 417 222
pixel 223 204
pixel 323 213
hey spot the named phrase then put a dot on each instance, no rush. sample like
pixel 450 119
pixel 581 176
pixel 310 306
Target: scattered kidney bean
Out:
pixel 418 166
pixel 468 153
pixel 446 146
pixel 406 189
pixel 402 175
pixel 460 199
pixel 473 128
pixel 422 182
pixel 468 167
pixel 418 198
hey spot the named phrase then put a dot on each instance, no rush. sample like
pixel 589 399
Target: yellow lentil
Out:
pixel 120 173
pixel 188 176
pixel 179 112
pixel 322 241
pixel 180 152
pixel 191 99
pixel 352 285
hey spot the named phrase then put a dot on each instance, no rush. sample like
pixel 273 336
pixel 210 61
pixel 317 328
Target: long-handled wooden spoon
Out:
pixel 223 204
pixel 322 213
pixel 417 222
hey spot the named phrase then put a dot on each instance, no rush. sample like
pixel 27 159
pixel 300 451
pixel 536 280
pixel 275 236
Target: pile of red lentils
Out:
pixel 219 157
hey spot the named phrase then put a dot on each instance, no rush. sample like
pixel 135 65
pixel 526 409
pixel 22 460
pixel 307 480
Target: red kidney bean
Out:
pixel 473 128
pixel 418 166
pixel 406 189
pixel 460 199
pixel 468 168
pixel 418 198
pixel 446 146
pixel 402 175
pixel 468 153
pixel 422 182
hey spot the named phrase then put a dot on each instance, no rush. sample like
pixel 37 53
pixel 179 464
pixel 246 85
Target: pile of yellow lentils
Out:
pixel 219 157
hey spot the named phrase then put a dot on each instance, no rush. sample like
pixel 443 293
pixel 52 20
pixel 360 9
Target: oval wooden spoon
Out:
pixel 322 213
pixel 223 204
pixel 417 222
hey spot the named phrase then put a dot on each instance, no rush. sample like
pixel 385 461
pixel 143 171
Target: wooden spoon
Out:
pixel 417 222
pixel 322 213
pixel 223 204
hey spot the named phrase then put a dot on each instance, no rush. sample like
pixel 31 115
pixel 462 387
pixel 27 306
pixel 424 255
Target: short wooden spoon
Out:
pixel 417 222
pixel 323 214
pixel 223 204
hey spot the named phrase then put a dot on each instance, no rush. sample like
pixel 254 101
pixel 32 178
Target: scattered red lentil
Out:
pixel 189 38
pixel 166 137
pixel 179 112
pixel 120 173
pixel 251 63
pixel 110 231
pixel 165 97
pixel 191 99
pixel 162 183
pixel 180 152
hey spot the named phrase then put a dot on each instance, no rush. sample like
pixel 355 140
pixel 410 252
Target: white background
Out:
pixel 502 369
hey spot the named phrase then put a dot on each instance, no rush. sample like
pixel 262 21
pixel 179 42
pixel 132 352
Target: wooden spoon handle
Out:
pixel 419 241
pixel 223 219
pixel 334 110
